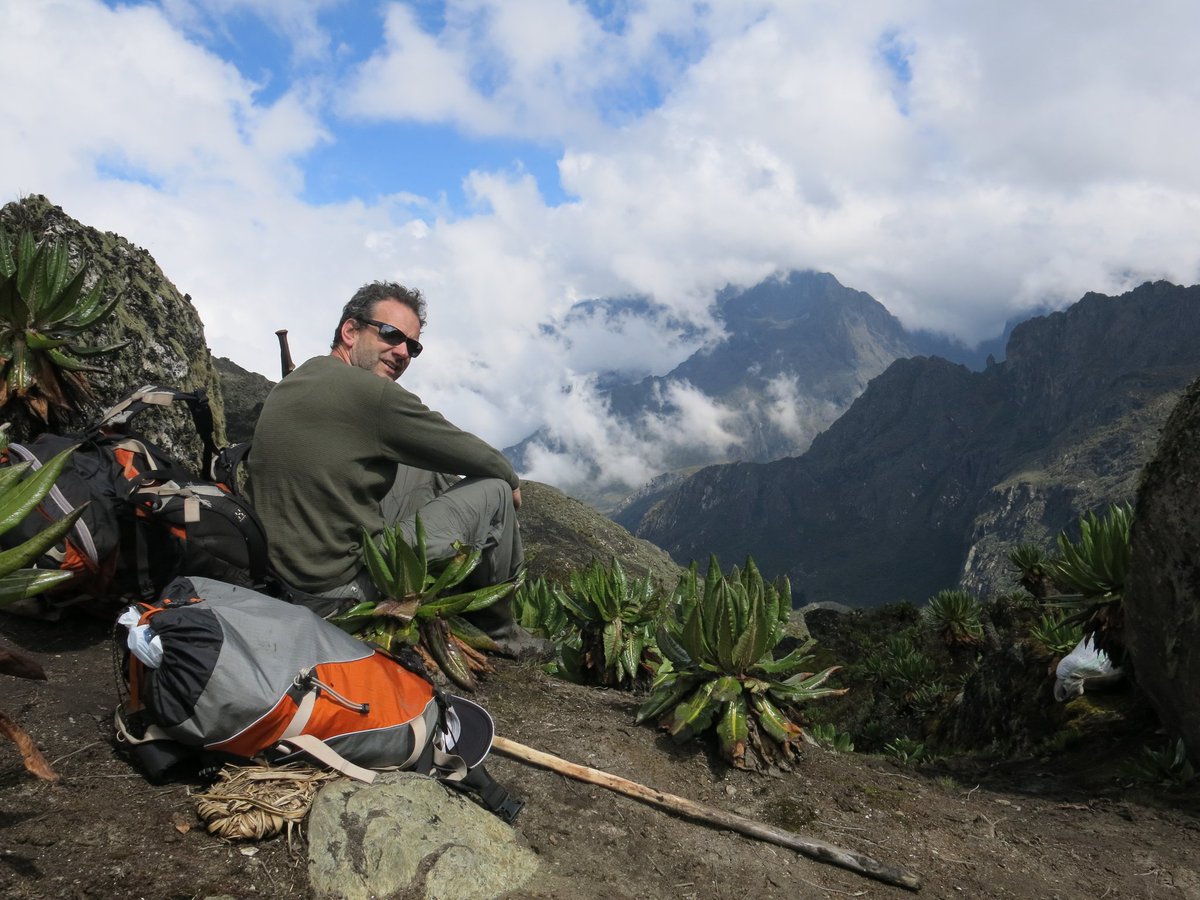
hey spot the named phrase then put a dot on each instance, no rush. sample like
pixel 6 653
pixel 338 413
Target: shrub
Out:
pixel 1094 568
pixel 1054 632
pixel 616 620
pixel 720 672
pixel 955 616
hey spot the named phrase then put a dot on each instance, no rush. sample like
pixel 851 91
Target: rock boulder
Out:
pixel 1162 597
pixel 166 343
pixel 409 835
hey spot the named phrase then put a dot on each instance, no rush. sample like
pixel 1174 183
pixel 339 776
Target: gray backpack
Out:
pixel 222 671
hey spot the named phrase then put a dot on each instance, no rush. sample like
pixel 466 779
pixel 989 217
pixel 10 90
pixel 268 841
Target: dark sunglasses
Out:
pixel 390 334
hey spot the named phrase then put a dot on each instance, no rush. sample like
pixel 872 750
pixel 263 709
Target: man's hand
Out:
pixel 516 498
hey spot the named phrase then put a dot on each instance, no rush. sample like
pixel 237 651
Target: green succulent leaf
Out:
pixel 664 697
pixel 378 567
pixel 732 730
pixel 787 665
pixel 806 686
pixel 471 635
pixel 23 554
pixel 726 688
pixel 773 721
pixel 24 583
pixel 693 715
pixel 672 649
pixel 19 500
pixel 435 636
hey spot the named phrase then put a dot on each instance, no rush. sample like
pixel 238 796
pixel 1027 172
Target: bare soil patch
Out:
pixel 1060 827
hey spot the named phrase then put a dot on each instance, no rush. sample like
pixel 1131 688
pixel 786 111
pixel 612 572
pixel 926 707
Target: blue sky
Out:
pixel 963 163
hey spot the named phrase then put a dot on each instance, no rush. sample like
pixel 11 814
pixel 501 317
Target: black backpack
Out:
pixel 148 517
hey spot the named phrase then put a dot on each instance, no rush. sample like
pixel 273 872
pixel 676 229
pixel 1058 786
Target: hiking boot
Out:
pixel 513 641
pixel 517 643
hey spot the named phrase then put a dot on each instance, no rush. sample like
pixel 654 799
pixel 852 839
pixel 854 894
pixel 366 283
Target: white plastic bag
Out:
pixel 1078 667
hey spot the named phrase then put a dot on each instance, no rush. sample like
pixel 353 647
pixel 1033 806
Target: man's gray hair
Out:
pixel 362 304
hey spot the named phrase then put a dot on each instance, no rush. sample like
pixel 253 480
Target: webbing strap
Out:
pixel 125 736
pixel 326 755
pixel 190 496
pixel 156 395
pixel 303 713
pixel 420 734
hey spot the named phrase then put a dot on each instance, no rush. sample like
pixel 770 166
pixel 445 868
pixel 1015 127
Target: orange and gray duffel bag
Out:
pixel 219 671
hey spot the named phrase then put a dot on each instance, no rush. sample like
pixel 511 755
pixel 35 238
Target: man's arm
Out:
pixel 413 434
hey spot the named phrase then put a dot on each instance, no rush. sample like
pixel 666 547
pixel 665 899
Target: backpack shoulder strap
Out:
pixel 326 755
pixel 227 464
pixel 149 395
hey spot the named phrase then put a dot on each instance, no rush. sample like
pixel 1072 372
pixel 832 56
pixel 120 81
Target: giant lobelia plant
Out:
pixel 721 673
pixel 615 619
pixel 418 607
pixel 1093 569
pixel 18 498
pixel 44 311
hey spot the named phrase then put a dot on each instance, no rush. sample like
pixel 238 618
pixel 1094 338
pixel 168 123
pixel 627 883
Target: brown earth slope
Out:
pixel 1041 828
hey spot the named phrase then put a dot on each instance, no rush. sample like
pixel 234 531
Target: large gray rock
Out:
pixel 408 835
pixel 166 337
pixel 1162 598
pixel 244 393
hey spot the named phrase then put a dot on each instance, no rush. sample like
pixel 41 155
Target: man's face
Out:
pixel 365 349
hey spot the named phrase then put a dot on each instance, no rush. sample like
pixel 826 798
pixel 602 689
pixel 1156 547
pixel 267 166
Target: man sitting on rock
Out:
pixel 340 446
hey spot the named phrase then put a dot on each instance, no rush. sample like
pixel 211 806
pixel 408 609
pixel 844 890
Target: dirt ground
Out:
pixel 1042 828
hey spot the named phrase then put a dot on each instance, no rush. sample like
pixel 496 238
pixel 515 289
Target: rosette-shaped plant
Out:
pixel 538 608
pixel 616 619
pixel 955 615
pixel 721 672
pixel 44 310
pixel 1094 570
pixel 417 607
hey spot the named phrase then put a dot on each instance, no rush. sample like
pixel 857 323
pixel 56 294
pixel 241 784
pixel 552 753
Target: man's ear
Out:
pixel 349 332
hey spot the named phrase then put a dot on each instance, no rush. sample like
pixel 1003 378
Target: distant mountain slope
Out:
pixel 796 352
pixel 935 471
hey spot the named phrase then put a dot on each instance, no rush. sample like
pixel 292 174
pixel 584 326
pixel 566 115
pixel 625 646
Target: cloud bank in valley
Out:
pixel 960 163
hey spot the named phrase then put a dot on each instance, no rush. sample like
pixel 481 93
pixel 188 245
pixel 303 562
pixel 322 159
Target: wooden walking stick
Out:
pixel 821 852
pixel 285 354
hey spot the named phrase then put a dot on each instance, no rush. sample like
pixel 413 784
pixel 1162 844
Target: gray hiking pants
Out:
pixel 476 512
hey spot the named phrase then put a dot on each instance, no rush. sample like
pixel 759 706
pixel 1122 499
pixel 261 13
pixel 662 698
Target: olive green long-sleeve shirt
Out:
pixel 325 453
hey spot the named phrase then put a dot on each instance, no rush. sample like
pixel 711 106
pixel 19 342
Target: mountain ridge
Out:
pixel 934 471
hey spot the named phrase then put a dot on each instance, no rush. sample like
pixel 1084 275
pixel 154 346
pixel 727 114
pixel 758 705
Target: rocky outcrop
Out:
pixel 1162 597
pixel 562 534
pixel 244 393
pixel 935 472
pixel 166 343
pixel 409 835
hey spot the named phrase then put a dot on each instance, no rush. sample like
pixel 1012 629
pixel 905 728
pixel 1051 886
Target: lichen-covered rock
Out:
pixel 166 337
pixel 409 835
pixel 1162 596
